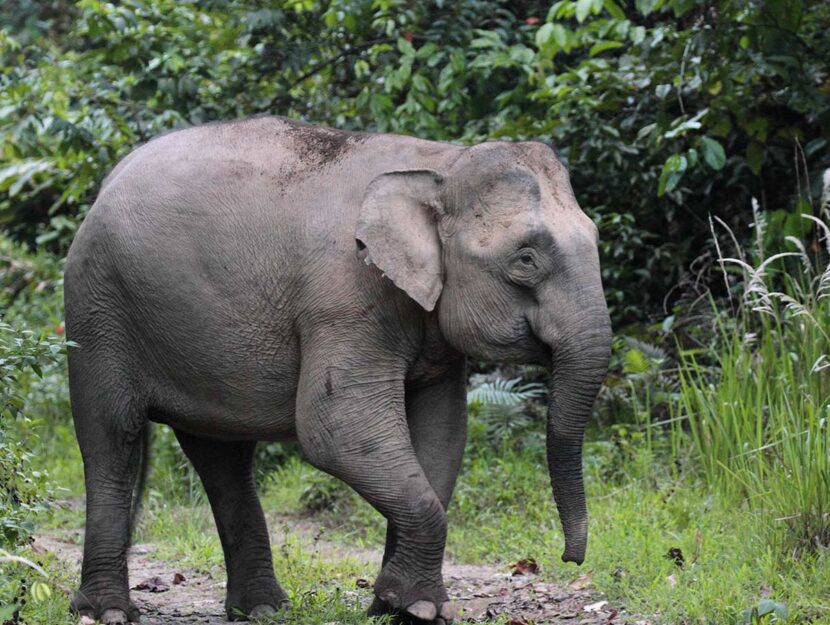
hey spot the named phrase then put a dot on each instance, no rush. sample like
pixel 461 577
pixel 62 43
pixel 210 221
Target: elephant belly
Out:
pixel 233 381
pixel 228 412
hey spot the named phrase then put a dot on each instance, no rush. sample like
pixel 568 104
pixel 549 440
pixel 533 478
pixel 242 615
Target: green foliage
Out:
pixel 665 110
pixel 324 493
pixel 506 412
pixel 22 489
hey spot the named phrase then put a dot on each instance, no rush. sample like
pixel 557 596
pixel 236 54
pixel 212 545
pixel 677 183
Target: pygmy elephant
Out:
pixel 266 280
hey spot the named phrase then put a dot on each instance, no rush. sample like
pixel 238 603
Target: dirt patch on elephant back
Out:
pixel 317 145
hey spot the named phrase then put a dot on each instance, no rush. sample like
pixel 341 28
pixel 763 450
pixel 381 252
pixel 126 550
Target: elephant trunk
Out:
pixel 579 365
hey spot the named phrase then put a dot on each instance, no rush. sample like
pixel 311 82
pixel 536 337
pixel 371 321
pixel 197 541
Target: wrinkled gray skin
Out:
pixel 267 280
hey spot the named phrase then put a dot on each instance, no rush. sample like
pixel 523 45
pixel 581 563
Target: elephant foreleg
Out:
pixel 437 419
pixel 354 428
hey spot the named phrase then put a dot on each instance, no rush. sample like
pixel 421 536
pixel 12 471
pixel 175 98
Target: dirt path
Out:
pixel 482 592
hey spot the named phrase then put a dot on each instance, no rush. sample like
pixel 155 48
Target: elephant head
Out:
pixel 499 246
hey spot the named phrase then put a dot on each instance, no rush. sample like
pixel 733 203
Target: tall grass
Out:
pixel 757 407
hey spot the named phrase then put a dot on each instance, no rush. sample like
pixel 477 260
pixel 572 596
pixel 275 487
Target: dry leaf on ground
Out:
pixel 528 566
pixel 152 584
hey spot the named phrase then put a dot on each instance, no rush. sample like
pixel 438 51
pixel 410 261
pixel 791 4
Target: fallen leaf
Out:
pixel 581 582
pixel 528 566
pixel 152 584
pixel 363 583
pixel 611 617
pixel 595 607
pixel 517 620
pixel 178 578
pixel 677 555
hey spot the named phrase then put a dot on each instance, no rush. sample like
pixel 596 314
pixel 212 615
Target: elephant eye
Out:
pixel 526 257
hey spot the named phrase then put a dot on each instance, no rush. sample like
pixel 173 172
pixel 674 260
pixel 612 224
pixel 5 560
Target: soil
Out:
pixel 170 595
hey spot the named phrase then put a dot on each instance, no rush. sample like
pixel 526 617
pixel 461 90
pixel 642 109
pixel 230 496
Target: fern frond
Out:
pixel 502 392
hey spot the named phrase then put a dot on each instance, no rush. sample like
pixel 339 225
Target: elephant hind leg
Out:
pixel 226 470
pixel 109 423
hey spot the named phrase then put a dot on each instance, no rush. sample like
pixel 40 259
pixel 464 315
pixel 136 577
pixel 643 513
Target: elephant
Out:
pixel 271 280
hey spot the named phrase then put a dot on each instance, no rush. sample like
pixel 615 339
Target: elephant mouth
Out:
pixel 521 346
pixel 539 352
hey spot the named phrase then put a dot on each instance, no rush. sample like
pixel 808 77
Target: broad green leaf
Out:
pixel 673 170
pixel 713 153
pixel 583 7
pixel 602 46
pixel 645 7
pixel 560 36
pixel 768 606
pixel 405 47
pixel 614 9
pixel 814 146
pixel 544 34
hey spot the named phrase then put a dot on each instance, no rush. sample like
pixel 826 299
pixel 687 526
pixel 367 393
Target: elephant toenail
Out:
pixel 448 611
pixel 114 616
pixel 262 611
pixel 424 610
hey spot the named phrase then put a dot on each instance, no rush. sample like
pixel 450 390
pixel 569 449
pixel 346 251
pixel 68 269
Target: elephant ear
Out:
pixel 397 231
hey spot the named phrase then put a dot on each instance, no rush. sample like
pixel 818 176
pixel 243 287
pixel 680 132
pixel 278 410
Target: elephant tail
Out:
pixel 143 469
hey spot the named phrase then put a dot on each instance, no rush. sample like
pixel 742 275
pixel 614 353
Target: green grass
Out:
pixel 758 415
pixel 761 430
pixel 503 511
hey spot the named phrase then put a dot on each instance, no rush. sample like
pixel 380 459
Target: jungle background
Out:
pixel 696 133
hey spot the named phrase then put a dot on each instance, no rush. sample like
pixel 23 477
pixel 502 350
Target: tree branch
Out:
pixel 323 65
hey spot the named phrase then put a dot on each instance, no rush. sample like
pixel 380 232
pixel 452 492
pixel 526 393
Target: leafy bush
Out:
pixel 23 490
pixel 665 110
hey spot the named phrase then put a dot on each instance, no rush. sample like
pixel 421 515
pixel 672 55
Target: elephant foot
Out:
pixel 108 609
pixel 416 604
pixel 256 606
pixel 445 616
